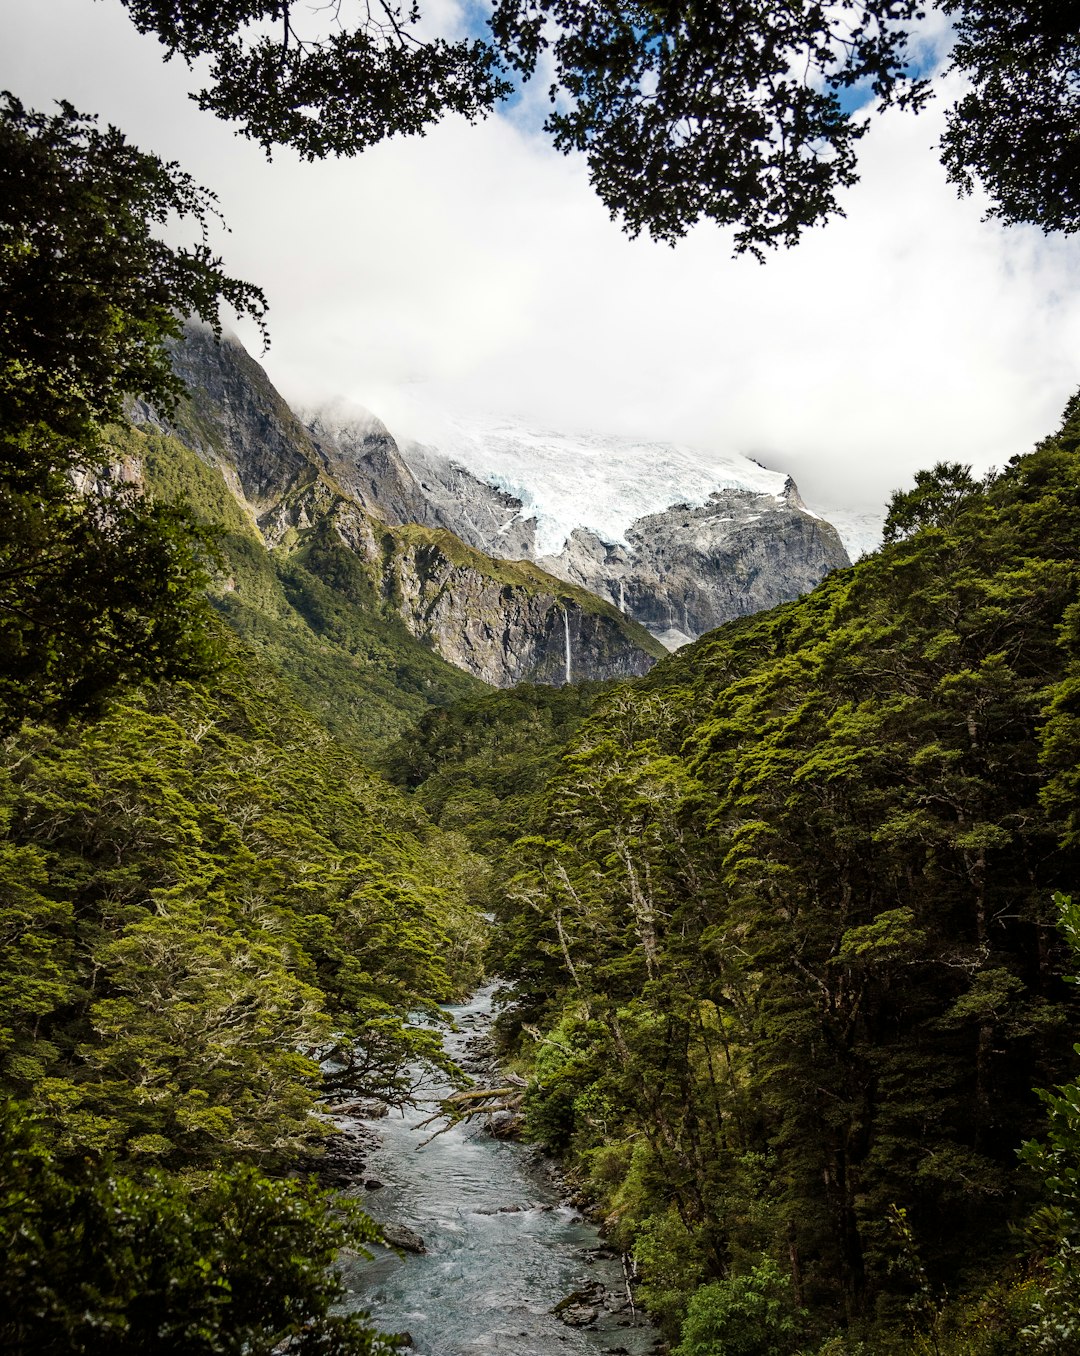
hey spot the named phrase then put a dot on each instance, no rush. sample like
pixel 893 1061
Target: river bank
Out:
pixel 503 1248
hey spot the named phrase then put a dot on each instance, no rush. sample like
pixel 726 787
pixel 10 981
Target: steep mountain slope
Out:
pixel 346 658
pixel 678 544
pixel 691 568
pixel 397 595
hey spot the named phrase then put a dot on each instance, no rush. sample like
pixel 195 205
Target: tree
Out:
pixel 937 498
pixel 738 112
pixel 88 293
pixel 98 586
pixel 1056 1225
pixel 752 1315
pixel 98 1262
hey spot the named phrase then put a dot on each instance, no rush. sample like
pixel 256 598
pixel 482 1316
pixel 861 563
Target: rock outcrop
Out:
pixel 503 621
pixel 689 569
pixel 482 515
pixel 457 558
pixel 238 423
pixel 679 572
pixel 415 484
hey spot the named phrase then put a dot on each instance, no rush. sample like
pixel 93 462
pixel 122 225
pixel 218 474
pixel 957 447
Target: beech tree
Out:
pixel 816 1044
pixel 737 111
pixel 98 587
pixel 100 1261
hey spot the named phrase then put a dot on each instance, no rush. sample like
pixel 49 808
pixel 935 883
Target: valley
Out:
pixel 779 910
pixel 521 874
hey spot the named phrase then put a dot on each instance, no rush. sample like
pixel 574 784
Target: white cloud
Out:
pixel 479 262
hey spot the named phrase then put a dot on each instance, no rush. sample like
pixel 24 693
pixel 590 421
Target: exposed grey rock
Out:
pixel 690 569
pixel 506 1125
pixel 583 1306
pixel 680 572
pixel 482 515
pixel 237 419
pixel 400 1236
pixel 359 452
pixel 505 634
pixel 412 483
pixel 502 626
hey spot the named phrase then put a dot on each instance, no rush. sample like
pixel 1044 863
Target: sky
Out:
pixel 474 269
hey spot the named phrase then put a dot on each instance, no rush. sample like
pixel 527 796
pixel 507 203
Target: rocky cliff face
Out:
pixel 358 451
pixel 238 423
pixel 679 572
pixel 501 621
pixel 415 484
pixel 482 515
pixel 507 629
pixel 689 569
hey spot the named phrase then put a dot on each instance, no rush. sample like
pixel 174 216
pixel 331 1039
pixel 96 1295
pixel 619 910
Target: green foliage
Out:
pixel 784 906
pixel 750 1315
pixel 204 897
pixel 1055 1228
pixel 98 1262
pixel 97 588
pixel 479 765
pixel 331 93
pixel 936 500
pixel 747 152
pixel 88 292
pixel 668 1255
pixel 735 114
pixel 1013 132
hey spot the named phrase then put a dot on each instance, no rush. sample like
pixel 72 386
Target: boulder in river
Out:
pixel 365 1107
pixel 399 1236
pixel 505 1125
pixel 583 1306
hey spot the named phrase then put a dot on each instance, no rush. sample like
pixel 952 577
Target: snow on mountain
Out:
pixel 602 482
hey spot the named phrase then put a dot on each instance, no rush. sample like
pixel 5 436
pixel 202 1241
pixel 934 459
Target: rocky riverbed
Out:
pixel 490 1256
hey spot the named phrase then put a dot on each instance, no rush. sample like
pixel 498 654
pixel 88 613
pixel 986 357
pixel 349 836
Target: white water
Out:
pixel 566 632
pixel 501 1249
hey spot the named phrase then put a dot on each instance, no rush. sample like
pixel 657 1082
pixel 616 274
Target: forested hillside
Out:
pixel 789 924
pixel 784 939
pixel 311 611
pixel 205 899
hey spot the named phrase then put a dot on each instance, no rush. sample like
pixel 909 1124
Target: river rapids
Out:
pixel 502 1247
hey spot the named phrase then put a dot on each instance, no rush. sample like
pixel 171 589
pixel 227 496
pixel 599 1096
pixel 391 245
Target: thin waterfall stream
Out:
pixel 503 1248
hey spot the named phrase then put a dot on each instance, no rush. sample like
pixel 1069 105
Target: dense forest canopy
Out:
pixel 204 898
pixel 784 938
pixel 212 918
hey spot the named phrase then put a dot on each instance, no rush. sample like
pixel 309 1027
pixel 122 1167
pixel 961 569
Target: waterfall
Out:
pixel 566 633
pixel 622 596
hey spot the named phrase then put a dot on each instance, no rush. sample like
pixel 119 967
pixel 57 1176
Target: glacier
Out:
pixel 602 482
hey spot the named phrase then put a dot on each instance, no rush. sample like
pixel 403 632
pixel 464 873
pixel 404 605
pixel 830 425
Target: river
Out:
pixel 502 1248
